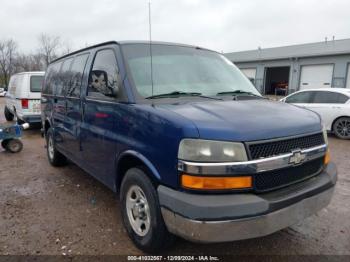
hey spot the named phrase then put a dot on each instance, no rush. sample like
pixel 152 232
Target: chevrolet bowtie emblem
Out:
pixel 297 157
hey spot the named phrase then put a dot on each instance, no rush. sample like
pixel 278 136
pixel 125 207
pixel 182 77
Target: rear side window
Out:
pixel 64 77
pixel 12 86
pixel 77 72
pixel 302 97
pixel 103 78
pixel 35 83
pixel 51 78
pixel 325 97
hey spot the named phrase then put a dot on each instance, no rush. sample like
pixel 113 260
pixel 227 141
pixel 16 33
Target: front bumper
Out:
pixel 222 218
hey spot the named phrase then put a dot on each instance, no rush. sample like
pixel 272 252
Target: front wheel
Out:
pixel 141 212
pixel 55 157
pixel 341 128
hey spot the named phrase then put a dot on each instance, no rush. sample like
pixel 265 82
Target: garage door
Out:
pixel 348 78
pixel 249 72
pixel 316 76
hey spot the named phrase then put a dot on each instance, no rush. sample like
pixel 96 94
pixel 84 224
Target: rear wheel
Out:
pixel 8 115
pixel 141 212
pixel 341 128
pixel 14 145
pixel 55 157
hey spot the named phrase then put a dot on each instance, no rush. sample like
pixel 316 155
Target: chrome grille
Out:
pixel 283 177
pixel 259 150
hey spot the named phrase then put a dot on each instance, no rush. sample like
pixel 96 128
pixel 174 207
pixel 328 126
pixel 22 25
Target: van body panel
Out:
pixel 97 136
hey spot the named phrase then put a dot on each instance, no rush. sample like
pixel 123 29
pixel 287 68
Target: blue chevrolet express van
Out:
pixel 187 142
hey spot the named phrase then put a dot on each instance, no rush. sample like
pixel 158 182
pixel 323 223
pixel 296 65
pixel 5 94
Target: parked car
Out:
pixel 23 97
pixel 187 142
pixel 2 92
pixel 332 104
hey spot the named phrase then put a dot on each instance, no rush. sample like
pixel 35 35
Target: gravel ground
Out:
pixel 54 211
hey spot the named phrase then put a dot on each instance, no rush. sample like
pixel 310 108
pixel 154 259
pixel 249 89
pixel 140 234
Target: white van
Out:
pixel 23 97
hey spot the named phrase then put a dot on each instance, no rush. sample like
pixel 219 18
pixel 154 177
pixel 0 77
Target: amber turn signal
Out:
pixel 327 157
pixel 216 183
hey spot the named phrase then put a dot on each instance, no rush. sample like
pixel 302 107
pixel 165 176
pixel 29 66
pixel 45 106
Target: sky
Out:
pixel 222 25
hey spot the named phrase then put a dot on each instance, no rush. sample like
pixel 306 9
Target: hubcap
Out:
pixel 137 209
pixel 343 128
pixel 50 147
pixel 15 146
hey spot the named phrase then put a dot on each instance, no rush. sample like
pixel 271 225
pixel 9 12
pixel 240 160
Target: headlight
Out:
pixel 325 136
pixel 211 151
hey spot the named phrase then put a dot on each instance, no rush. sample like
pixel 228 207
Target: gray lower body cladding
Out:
pixel 221 218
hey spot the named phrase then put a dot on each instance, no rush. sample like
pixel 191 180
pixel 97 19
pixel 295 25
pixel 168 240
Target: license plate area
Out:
pixel 35 106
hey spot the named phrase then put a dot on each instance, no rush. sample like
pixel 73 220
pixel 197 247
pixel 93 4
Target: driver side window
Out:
pixel 103 78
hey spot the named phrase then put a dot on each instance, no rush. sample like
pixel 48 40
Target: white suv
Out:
pixel 23 97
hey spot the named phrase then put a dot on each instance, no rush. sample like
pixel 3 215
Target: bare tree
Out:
pixel 48 46
pixel 66 47
pixel 37 64
pixel 22 63
pixel 31 62
pixel 8 50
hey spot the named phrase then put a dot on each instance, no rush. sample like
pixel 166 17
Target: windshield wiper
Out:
pixel 174 93
pixel 180 93
pixel 237 92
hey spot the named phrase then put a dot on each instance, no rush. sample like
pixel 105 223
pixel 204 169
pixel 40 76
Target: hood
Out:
pixel 247 120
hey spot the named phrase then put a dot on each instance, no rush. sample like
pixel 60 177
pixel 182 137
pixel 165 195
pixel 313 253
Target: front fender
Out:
pixel 153 170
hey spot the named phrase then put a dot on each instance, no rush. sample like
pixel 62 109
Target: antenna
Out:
pixel 150 41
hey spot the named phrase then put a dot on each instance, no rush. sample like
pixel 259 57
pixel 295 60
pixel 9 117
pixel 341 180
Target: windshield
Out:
pixel 35 83
pixel 178 70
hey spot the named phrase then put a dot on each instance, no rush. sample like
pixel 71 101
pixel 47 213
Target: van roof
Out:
pixel 126 42
pixel 31 73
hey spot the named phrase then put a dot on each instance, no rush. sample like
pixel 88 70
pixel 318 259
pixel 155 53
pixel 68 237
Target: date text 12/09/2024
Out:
pixel 173 258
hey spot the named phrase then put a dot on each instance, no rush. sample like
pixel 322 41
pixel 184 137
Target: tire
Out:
pixel 55 158
pixel 14 145
pixel 341 128
pixel 4 143
pixel 152 235
pixel 8 115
